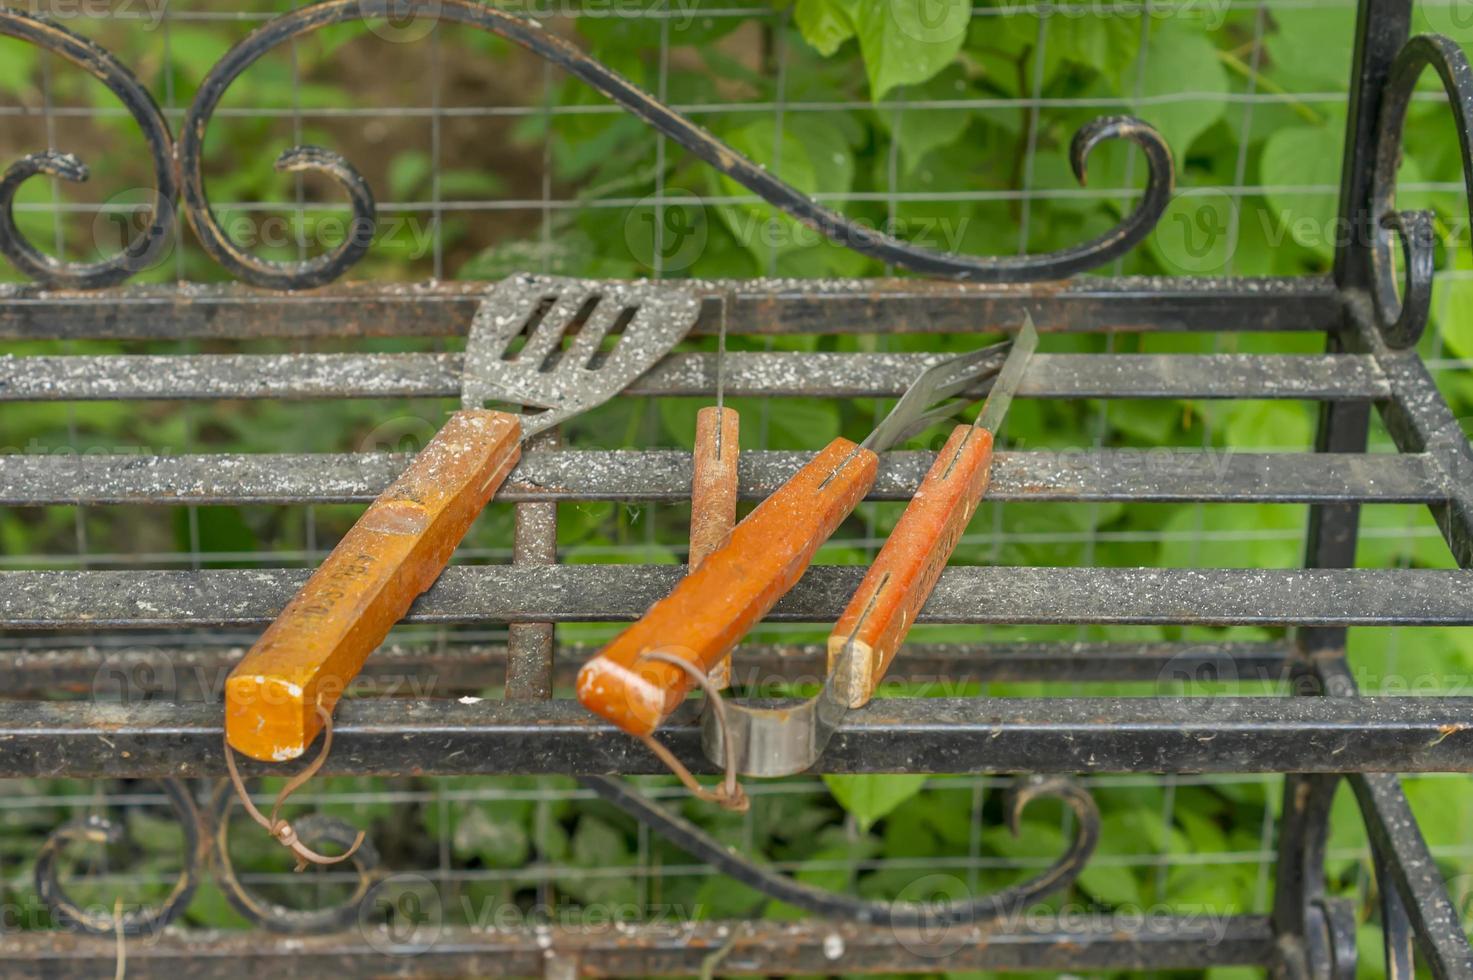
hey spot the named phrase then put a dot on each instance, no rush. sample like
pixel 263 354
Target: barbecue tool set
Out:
pixel 308 656
pixel 562 346
pixel 710 610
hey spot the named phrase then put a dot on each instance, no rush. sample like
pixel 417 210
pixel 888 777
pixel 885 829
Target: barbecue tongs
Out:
pixel 711 609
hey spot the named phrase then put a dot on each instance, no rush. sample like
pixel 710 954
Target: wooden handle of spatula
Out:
pixel 713 497
pixel 903 574
pixel 394 552
pixel 734 587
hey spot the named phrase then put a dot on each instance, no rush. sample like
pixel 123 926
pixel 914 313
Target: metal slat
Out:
pixel 123 376
pixel 966 594
pixel 190 672
pixel 469 736
pixel 769 306
pixel 754 948
pixel 628 475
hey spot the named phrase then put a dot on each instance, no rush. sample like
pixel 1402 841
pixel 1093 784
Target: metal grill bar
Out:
pixel 757 949
pixel 757 306
pixel 940 735
pixel 1326 378
pixel 1156 475
pixel 191 672
pixel 601 593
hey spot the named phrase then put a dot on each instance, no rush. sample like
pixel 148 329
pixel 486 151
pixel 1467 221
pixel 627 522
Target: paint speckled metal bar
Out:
pixel 612 593
pixel 938 735
pixel 755 306
pixel 770 374
pixel 1161 475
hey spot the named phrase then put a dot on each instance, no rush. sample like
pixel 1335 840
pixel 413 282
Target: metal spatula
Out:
pixel 557 346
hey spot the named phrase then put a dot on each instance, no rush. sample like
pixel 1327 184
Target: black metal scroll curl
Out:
pixel 1401 321
pixel 145 248
pixel 96 829
pixel 273 915
pixel 527 33
pixel 900 914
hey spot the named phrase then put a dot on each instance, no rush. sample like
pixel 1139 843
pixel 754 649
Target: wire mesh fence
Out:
pixel 485 160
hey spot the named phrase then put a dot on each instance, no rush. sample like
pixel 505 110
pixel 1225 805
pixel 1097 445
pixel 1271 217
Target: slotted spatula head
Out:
pixel 565 345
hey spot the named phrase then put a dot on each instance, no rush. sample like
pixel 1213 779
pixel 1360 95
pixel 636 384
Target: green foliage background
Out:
pixel 904 113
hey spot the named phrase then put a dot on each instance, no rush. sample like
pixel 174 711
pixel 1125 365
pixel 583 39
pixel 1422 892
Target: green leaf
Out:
pixel 907 41
pixel 818 147
pixel 1113 884
pixel 825 24
pixel 408 171
pixel 1453 300
pixel 1295 156
pixel 17 61
pixel 498 843
pixel 1181 61
pixel 870 797
pixel 1259 425
pixel 919 131
pixel 1196 234
pixel 1310 51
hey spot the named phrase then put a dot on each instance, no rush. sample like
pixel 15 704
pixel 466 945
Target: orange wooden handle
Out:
pixel 907 567
pixel 712 607
pixel 394 552
pixel 713 497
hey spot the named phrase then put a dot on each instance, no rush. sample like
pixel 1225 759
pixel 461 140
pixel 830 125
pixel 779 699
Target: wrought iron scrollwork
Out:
pixel 271 915
pixel 1402 321
pixel 901 914
pixel 324 268
pixel 144 249
pixel 95 829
